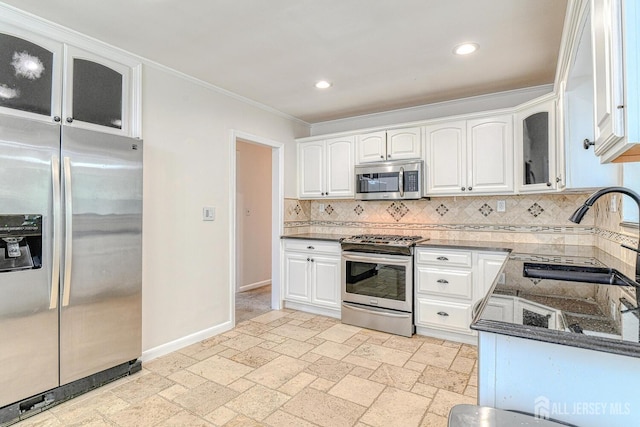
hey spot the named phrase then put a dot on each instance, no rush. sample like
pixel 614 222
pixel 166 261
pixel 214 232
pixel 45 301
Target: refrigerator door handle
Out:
pixel 55 268
pixel 68 232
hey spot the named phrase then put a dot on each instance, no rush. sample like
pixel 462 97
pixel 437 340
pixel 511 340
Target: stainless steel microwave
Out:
pixel 400 180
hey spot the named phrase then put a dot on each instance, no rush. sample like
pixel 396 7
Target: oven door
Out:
pixel 378 280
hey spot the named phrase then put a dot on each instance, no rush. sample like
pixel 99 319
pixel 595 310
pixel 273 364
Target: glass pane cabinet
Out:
pixel 97 94
pixel 535 139
pixel 535 148
pixel 25 75
pixel 46 80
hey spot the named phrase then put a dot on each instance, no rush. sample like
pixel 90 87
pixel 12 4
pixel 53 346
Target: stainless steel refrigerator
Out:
pixel 70 262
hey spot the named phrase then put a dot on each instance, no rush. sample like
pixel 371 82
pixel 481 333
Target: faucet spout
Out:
pixel 579 214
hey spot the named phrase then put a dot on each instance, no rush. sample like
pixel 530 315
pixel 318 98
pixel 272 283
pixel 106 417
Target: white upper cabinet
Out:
pixel 535 145
pixel 97 92
pixel 446 153
pixel 45 79
pixel 326 169
pixel 490 154
pixel 470 156
pixel 577 167
pixel 397 144
pixel 616 70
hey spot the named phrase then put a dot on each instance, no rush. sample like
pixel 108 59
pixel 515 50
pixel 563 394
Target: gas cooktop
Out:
pixel 381 243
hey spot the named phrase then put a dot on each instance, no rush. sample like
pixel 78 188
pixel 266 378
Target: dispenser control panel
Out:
pixel 20 242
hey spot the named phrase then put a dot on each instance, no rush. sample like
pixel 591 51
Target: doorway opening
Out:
pixel 257 199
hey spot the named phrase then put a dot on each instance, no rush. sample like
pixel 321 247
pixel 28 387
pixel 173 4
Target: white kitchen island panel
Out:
pixel 579 386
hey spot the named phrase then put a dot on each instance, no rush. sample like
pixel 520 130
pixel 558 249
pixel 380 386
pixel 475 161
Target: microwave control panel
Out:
pixel 411 181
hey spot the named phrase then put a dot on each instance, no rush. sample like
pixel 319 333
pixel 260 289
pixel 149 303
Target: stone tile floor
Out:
pixel 286 368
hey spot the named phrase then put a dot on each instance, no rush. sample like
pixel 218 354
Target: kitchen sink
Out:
pixel 576 273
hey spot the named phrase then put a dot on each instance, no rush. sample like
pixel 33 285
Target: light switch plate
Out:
pixel 208 213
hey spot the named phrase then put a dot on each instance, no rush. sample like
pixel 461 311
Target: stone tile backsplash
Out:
pixel 532 218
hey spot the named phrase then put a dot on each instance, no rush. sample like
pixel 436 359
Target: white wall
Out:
pixel 186 128
pixel 253 192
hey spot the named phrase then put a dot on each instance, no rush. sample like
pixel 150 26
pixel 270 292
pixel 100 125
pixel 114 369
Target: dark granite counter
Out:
pixel 576 313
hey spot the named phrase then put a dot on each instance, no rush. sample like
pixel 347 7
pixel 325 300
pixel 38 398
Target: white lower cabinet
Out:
pixel 312 276
pixel 449 283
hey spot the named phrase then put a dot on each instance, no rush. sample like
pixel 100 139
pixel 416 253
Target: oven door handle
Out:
pixel 401 182
pixel 364 310
pixel 377 259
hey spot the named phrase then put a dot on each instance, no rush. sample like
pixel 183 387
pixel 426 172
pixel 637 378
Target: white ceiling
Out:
pixel 379 54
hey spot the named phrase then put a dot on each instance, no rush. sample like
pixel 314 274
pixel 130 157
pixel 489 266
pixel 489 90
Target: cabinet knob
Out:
pixel 558 179
pixel 56 119
pixel 443 281
pixel 620 107
pixel 311 259
pixel 382 157
pixel 326 194
pixel 548 184
pixel 322 194
pixel 69 119
pixel 462 188
pixel 310 247
pixel 388 156
pixel 308 259
pixel 443 314
pixel 442 258
pixel 586 143
pixel 470 188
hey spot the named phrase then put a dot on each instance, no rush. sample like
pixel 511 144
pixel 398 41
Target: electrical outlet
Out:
pixel 320 207
pixel 501 206
pixel 614 203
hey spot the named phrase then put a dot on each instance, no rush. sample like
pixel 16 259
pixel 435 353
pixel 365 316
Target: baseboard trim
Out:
pixel 313 309
pixel 185 341
pixel 255 285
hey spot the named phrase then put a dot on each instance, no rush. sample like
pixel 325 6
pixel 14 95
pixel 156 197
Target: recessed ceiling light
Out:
pixel 465 48
pixel 323 84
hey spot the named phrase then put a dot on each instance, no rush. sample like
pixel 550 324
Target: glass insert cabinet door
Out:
pixel 29 80
pixel 535 137
pixel 97 91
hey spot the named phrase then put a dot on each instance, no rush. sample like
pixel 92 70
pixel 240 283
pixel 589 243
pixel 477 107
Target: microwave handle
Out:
pixel 401 181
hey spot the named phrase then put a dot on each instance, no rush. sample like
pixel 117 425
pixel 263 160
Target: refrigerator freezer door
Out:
pixel 29 298
pixel 100 319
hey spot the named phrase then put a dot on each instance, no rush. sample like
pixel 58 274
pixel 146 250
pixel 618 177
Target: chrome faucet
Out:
pixel 582 210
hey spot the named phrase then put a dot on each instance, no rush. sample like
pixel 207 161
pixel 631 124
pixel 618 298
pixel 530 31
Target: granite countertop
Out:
pixel 316 236
pixel 566 312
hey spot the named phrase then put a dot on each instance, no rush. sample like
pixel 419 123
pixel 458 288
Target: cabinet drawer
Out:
pixel 444 257
pixel 451 283
pixel 445 315
pixel 315 246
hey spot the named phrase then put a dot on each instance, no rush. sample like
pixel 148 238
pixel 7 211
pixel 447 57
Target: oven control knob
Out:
pixel 443 314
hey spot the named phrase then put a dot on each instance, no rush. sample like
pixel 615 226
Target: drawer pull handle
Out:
pixel 310 247
pixel 443 314
pixel 442 258
pixel 443 281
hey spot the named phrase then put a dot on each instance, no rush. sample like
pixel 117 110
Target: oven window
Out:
pixel 378 182
pixel 376 280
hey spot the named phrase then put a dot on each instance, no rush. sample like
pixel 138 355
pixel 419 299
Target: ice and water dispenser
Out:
pixel 20 242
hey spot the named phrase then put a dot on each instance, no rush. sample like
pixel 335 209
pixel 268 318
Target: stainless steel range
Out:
pixel 377 282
